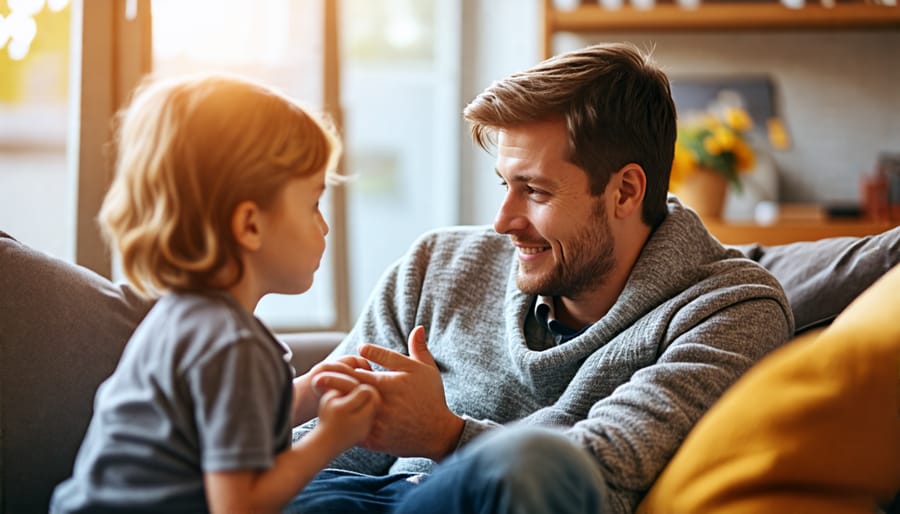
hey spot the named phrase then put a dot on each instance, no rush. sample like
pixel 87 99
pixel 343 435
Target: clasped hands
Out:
pixel 411 416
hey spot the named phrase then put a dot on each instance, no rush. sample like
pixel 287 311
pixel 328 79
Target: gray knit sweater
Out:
pixel 691 319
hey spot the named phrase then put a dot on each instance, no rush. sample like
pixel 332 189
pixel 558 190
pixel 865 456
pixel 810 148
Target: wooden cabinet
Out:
pixel 589 17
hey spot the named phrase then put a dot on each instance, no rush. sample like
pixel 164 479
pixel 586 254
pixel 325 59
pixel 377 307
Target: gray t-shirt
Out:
pixel 202 386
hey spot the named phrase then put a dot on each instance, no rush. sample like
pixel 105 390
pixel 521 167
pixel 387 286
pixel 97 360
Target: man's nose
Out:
pixel 510 217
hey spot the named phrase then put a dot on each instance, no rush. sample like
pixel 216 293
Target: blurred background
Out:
pixel 820 79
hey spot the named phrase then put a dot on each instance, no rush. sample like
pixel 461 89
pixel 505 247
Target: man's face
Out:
pixel 565 246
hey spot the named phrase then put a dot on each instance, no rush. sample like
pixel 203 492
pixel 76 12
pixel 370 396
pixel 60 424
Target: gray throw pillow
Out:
pixel 822 277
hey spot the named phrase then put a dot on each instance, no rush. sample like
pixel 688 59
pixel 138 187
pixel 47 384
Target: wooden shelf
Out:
pixel 764 15
pixel 782 232
pixel 719 15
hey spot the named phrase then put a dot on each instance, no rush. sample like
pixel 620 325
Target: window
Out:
pixel 34 64
pixel 400 92
pixel 395 68
pixel 398 63
pixel 279 42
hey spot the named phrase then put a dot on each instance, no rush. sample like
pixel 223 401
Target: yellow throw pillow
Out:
pixel 812 428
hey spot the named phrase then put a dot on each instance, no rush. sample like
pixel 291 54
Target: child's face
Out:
pixel 293 236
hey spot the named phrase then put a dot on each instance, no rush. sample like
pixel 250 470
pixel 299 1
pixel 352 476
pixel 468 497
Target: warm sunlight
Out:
pixel 19 28
pixel 221 32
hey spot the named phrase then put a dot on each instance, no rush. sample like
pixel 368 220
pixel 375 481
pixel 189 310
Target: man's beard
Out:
pixel 590 261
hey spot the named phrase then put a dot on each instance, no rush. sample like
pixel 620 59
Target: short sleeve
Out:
pixel 242 402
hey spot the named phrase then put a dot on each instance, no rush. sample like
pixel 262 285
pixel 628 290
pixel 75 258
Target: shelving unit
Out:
pixel 718 15
pixel 589 16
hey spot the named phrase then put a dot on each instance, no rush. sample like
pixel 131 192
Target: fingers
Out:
pixel 389 359
pixel 352 367
pixel 355 361
pixel 418 349
pixel 343 374
pixel 356 399
pixel 346 364
pixel 367 393
pixel 329 380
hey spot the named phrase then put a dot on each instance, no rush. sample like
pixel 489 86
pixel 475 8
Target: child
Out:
pixel 214 204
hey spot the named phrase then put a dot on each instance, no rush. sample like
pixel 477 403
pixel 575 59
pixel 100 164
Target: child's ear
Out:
pixel 245 225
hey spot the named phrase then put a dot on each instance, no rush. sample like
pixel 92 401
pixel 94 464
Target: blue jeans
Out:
pixel 509 471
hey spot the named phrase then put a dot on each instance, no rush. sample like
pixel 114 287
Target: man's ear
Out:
pixel 245 225
pixel 628 185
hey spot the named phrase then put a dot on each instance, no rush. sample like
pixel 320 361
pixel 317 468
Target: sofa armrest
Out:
pixel 308 348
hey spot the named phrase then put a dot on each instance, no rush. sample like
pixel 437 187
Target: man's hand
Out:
pixel 414 420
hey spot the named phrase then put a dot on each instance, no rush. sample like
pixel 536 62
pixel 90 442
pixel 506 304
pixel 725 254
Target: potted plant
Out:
pixel 712 150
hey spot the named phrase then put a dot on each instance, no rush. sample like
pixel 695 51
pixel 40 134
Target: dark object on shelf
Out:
pixel 889 166
pixel 843 210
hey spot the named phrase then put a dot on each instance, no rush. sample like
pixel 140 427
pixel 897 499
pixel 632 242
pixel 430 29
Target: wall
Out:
pixel 499 38
pixel 838 92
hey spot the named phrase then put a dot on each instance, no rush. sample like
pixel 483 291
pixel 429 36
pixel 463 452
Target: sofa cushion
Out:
pixel 814 427
pixel 62 330
pixel 822 277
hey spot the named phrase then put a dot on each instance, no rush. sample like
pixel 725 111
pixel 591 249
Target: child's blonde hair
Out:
pixel 189 150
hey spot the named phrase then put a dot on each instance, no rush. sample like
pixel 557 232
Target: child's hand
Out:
pixel 348 417
pixel 332 374
pixel 337 374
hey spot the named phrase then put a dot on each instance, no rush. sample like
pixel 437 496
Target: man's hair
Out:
pixel 618 109
pixel 189 150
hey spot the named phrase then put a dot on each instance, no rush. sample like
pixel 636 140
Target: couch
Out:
pixel 63 327
pixel 813 427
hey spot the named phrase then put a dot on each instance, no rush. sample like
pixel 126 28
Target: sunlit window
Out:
pixel 34 65
pixel 399 81
pixel 274 41
pixel 399 90
pixel 389 31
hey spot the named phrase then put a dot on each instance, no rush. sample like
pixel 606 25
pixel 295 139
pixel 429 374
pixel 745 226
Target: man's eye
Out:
pixel 503 184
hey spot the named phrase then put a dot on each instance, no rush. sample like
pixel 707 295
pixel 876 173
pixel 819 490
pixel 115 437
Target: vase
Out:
pixel 704 191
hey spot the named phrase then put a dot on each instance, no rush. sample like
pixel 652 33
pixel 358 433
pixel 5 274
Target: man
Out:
pixel 596 306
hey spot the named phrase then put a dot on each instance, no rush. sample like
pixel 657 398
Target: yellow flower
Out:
pixel 744 157
pixel 712 145
pixel 738 119
pixel 683 165
pixel 716 141
pixel 725 137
